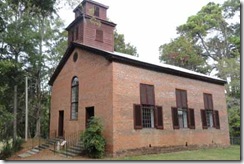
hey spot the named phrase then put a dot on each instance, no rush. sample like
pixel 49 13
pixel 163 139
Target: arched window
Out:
pixel 74 98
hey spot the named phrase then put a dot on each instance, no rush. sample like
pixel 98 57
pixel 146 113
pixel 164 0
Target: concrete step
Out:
pixel 74 151
pixel 75 148
pixel 69 153
pixel 43 146
pixel 24 155
pixel 35 150
pixel 31 152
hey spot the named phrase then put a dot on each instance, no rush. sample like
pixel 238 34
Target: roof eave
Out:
pixel 109 56
pixel 166 70
pixel 88 17
pixel 67 54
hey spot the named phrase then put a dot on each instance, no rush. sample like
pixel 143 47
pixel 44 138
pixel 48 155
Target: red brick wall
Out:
pixel 90 36
pixel 126 92
pixel 102 11
pixel 113 88
pixel 95 89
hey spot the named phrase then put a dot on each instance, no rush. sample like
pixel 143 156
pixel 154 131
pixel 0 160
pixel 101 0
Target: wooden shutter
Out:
pixel 184 99
pixel 205 99
pixel 96 11
pixel 175 120
pixel 147 94
pixel 143 94
pixel 216 119
pixel 159 117
pixel 210 101
pixel 204 119
pixel 150 95
pixel 99 35
pixel 181 98
pixel 137 117
pixel 178 99
pixel 191 118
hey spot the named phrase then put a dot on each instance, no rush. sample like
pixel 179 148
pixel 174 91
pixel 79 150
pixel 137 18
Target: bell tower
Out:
pixel 91 26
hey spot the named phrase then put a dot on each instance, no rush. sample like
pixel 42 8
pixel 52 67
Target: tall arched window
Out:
pixel 74 98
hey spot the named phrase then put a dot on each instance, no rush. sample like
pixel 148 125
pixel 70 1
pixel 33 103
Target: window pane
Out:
pixel 74 94
pixel 184 119
pixel 152 117
pixel 74 114
pixel 209 115
pixel 182 116
pixel 75 82
pixel 148 116
pixel 74 98
pixel 180 121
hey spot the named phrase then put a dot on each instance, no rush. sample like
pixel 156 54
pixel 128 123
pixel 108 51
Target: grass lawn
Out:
pixel 230 153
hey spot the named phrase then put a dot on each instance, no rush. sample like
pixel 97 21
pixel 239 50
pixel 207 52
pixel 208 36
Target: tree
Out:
pixel 229 68
pixel 182 52
pixel 6 117
pixel 216 36
pixel 121 46
pixel 29 32
pixel 200 27
pixel 14 41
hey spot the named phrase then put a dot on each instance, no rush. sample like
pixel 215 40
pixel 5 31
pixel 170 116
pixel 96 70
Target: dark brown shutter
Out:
pixel 204 119
pixel 143 93
pixel 96 11
pixel 159 117
pixel 184 99
pixel 178 99
pixel 210 101
pixel 205 99
pixel 191 118
pixel 175 119
pixel 150 95
pixel 137 117
pixel 99 35
pixel 216 119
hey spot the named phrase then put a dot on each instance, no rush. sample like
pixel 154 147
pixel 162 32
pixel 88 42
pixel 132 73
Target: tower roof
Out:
pixel 83 3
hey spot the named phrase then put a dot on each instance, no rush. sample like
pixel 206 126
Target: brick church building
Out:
pixel 141 104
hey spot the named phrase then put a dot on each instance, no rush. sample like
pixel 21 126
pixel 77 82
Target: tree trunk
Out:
pixel 38 106
pixel 38 125
pixel 39 97
pixel 15 114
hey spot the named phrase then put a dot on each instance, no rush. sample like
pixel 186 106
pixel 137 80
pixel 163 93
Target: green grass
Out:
pixel 230 153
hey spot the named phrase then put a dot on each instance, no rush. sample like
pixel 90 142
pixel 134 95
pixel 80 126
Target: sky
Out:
pixel 147 24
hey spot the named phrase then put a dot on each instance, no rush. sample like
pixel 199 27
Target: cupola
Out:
pixel 91 26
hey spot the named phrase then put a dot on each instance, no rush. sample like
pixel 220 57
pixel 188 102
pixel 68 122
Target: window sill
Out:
pixel 99 40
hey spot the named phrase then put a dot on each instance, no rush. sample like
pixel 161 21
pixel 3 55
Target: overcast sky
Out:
pixel 147 24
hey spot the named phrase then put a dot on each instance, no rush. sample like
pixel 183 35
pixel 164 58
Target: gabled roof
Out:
pixel 135 61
